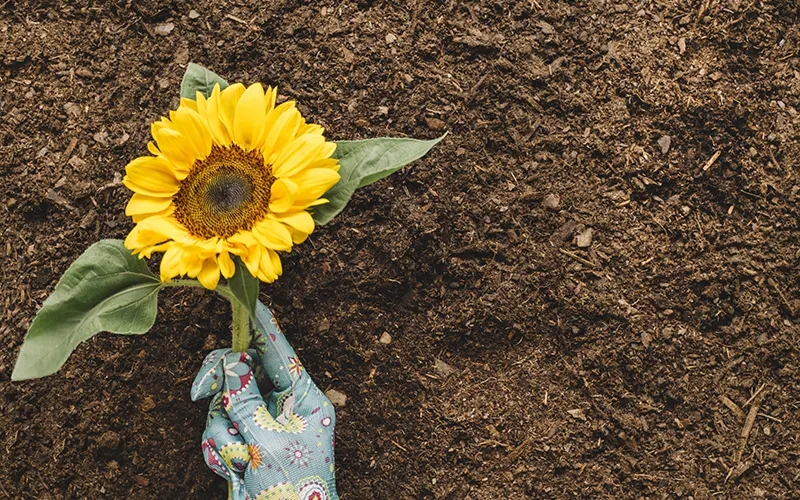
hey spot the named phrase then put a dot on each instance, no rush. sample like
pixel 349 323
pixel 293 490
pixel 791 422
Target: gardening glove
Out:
pixel 280 448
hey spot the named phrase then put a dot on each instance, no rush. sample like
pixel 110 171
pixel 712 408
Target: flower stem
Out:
pixel 241 326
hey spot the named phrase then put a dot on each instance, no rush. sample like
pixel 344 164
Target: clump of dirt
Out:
pixel 589 288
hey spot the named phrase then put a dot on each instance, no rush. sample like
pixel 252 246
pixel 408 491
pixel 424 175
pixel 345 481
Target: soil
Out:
pixel 590 286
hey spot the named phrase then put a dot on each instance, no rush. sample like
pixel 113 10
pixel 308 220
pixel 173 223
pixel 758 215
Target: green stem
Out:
pixel 193 283
pixel 223 290
pixel 241 326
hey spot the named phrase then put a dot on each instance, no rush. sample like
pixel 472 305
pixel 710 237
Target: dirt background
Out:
pixel 576 308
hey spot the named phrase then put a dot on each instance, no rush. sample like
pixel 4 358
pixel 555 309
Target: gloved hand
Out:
pixel 278 449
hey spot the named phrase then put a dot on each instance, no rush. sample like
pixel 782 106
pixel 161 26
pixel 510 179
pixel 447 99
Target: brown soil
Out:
pixel 527 358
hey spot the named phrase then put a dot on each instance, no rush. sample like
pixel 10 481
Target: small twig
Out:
pixel 648 477
pixel 471 92
pixel 70 148
pixel 494 442
pixel 647 261
pixel 772 157
pixel 782 296
pixel 749 422
pixel 399 445
pixel 754 396
pixel 712 160
pixel 147 29
pixel 578 258
pixel 514 455
pixel 235 19
pixel 124 27
pixel 732 406
pixel 738 470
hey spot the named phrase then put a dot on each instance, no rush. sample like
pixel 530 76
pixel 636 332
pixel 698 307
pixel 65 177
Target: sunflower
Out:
pixel 231 175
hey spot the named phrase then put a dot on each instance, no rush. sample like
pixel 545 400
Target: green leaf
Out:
pixel 364 162
pixel 244 287
pixel 198 78
pixel 107 288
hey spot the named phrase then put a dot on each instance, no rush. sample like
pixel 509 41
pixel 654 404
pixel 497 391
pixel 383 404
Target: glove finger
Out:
pixel 209 379
pixel 241 397
pixel 212 437
pixel 224 436
pixel 264 383
pixel 304 398
pixel 293 407
pixel 217 464
pixel 278 358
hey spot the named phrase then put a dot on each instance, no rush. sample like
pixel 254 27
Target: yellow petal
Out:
pixel 313 184
pixel 318 202
pixel 282 123
pixel 201 100
pixel 250 118
pixel 229 98
pixel 272 234
pixel 311 128
pixel 330 163
pixel 191 264
pixel 176 148
pixel 159 125
pixel 299 237
pixel 151 176
pixel 140 217
pixel 244 238
pixel 266 269
pixel 147 252
pixel 151 146
pixel 209 275
pixel 207 247
pixel 143 204
pixel 300 221
pixel 297 155
pixel 170 263
pixel 153 231
pixel 188 103
pixel 194 130
pixel 226 265
pixel 269 98
pixel 213 114
pixel 252 259
pixel 282 195
pixel 276 262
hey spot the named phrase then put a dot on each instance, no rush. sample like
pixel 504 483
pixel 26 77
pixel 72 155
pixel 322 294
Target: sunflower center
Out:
pixel 226 192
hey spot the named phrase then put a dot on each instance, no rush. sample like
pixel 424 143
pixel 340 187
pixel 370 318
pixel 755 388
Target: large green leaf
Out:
pixel 364 162
pixel 244 287
pixel 106 289
pixel 198 78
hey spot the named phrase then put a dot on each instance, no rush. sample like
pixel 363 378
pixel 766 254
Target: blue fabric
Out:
pixel 280 448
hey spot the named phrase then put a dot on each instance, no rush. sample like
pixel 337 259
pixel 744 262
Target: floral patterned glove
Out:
pixel 280 448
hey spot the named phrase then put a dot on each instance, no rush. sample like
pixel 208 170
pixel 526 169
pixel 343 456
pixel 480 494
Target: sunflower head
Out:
pixel 231 175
